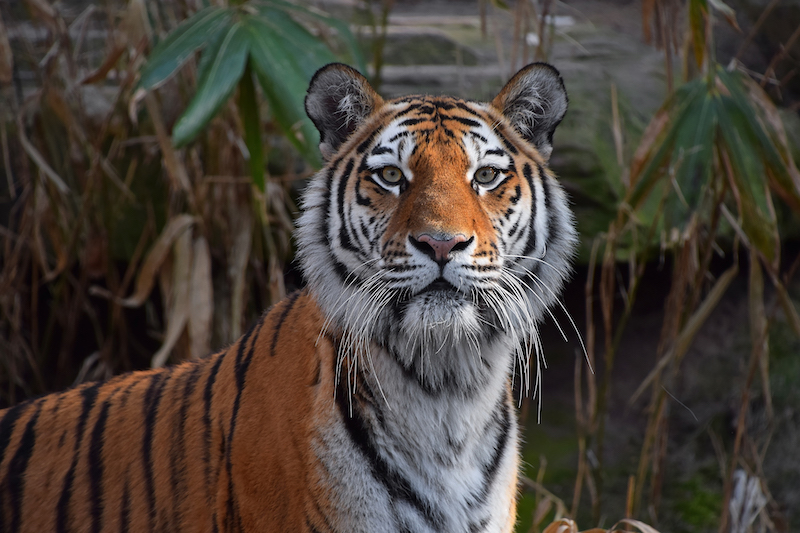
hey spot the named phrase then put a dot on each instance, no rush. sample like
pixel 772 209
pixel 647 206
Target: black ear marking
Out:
pixel 339 99
pixel 534 101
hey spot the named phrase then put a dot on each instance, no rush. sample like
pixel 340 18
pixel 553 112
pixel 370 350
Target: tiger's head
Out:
pixel 435 229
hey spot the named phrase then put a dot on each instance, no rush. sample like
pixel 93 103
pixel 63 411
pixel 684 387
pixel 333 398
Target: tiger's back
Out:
pixel 379 398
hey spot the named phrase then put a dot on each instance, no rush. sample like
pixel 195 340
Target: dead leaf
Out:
pixel 542 509
pixel 202 299
pixel 641 526
pixel 152 263
pixel 180 300
pixel 565 525
pixel 238 258
pixel 651 134
pixel 43 11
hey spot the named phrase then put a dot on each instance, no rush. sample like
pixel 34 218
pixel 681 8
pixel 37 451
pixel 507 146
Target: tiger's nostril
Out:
pixel 439 249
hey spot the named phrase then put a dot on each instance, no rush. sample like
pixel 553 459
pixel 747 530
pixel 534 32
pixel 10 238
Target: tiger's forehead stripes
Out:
pixel 439 120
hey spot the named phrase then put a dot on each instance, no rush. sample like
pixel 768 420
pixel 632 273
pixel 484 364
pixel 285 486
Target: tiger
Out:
pixel 378 398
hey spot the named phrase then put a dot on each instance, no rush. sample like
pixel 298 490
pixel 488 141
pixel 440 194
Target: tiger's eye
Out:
pixel 485 175
pixel 391 175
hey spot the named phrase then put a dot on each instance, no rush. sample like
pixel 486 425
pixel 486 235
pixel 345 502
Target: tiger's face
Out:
pixel 435 230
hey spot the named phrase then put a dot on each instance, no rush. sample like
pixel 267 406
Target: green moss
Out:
pixel 697 503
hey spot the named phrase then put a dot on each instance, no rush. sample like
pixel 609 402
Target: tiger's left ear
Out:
pixel 339 99
pixel 534 101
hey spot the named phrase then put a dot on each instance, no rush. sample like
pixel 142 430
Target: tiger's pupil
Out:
pixel 391 174
pixel 485 175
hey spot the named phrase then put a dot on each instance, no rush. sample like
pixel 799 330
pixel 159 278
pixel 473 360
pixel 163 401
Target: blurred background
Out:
pixel 153 153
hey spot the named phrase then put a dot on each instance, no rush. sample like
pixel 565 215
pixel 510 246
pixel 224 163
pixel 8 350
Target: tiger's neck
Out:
pixel 441 458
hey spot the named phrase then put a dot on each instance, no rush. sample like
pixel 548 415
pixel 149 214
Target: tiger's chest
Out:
pixel 395 458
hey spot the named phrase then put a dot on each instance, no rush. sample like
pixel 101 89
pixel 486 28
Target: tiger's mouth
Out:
pixel 440 285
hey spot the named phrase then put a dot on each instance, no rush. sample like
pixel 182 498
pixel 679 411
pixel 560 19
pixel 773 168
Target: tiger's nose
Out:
pixel 439 247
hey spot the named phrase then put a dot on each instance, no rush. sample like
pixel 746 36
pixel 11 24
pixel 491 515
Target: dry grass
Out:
pixel 116 245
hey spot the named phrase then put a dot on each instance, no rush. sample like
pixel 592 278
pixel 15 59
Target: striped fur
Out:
pixel 376 400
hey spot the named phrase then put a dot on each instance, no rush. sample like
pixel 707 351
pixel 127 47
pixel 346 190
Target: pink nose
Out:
pixel 441 248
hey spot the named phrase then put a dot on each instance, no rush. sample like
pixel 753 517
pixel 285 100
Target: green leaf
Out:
pixel 195 32
pixel 677 107
pixel 692 155
pixel 342 29
pixel 284 59
pixel 294 41
pixel 777 161
pixel 248 110
pixel 748 177
pixel 217 85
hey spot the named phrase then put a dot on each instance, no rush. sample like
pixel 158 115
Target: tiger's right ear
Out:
pixel 339 99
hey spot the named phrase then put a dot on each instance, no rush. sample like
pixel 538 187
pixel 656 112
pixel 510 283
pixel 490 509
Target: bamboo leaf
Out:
pixel 691 158
pixel 776 152
pixel 221 78
pixel 248 110
pixel 341 27
pixel 284 75
pixel 748 177
pixel 194 33
pixel 647 168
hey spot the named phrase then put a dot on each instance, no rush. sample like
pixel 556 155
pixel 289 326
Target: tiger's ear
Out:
pixel 534 101
pixel 339 99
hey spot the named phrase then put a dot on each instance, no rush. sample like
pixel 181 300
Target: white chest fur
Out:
pixel 404 459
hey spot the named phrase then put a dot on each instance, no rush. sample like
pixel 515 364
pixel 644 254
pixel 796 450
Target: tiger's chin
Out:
pixel 442 312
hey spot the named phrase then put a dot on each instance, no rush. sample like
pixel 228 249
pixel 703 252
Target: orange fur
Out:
pixel 190 490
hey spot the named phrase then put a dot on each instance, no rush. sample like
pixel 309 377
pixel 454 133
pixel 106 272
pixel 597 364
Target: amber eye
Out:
pixel 391 175
pixel 485 175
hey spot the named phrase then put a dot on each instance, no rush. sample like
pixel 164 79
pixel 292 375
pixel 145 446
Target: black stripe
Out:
pixel 509 146
pixel 311 526
pixel 15 479
pixel 177 455
pixel 152 397
pixel 207 397
pixel 412 121
pixel 479 526
pixel 378 150
pixel 366 142
pixel 547 187
pixel 276 330
pixel 62 508
pixel 344 237
pixel 397 486
pixel 96 468
pixel 530 245
pixel 240 373
pixel 465 121
pixel 323 515
pixel 7 426
pixel 125 508
pixel 501 445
